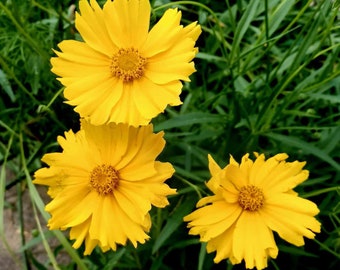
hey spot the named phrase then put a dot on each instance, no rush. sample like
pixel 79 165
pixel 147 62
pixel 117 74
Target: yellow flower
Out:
pixel 250 201
pixel 104 183
pixel 123 73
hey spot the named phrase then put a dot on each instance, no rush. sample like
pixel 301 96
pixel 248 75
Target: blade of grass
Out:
pixel 22 224
pixel 308 37
pixel 44 241
pixel 325 247
pixel 308 148
pixel 242 27
pixel 189 119
pixel 201 256
pixel 173 222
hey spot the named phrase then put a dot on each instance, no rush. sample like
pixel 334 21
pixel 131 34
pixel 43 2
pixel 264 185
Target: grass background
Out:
pixel 267 80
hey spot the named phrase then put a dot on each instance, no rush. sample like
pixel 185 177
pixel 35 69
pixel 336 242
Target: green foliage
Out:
pixel 267 80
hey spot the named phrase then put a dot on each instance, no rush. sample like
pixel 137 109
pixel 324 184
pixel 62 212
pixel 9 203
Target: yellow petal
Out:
pixel 236 176
pixel 263 171
pixel 293 203
pixel 79 233
pixel 133 231
pixel 77 150
pixel 164 34
pixel 286 178
pixel 151 99
pixel 104 225
pixel 214 168
pixel 87 85
pixel 160 192
pixel 81 53
pixel 245 166
pixel 291 225
pixel 209 214
pixel 164 171
pixel 232 161
pixel 172 64
pixel 127 22
pixel 91 26
pixel 230 194
pixel 211 221
pixel 133 150
pixel 142 164
pixel 155 186
pixel 226 185
pixel 126 111
pixel 192 31
pixel 48 176
pixel 214 184
pixel 253 241
pixel 108 99
pixel 208 199
pixel 258 172
pixel 90 244
pixel 83 204
pixel 112 140
pixel 138 198
pixel 74 70
pixel 222 245
pixel 127 204
pixel 97 102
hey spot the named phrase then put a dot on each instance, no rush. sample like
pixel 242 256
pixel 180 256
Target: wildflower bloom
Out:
pixel 250 201
pixel 121 72
pixel 104 183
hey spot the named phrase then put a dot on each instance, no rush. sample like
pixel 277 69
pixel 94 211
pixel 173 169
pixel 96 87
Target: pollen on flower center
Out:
pixel 251 198
pixel 104 179
pixel 128 64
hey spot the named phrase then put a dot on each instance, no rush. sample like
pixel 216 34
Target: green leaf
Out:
pixel 189 119
pixel 6 86
pixel 243 25
pixel 329 98
pixel 308 148
pixel 296 251
pixel 279 15
pixel 173 222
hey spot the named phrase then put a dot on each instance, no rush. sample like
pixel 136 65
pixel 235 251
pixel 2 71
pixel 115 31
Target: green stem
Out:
pixel 44 241
pixel 8 128
pixel 22 225
pixel 321 191
pixel 325 247
pixel 159 222
pixel 189 184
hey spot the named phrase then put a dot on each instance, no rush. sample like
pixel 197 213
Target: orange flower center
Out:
pixel 104 179
pixel 128 64
pixel 251 198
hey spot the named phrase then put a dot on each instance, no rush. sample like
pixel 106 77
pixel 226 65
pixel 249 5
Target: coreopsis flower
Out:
pixel 104 183
pixel 121 72
pixel 252 200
